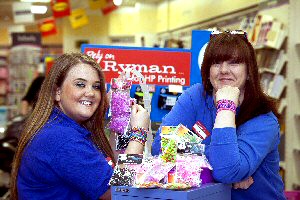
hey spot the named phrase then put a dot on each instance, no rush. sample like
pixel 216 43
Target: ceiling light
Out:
pixel 117 2
pixel 36 1
pixel 2 129
pixel 38 9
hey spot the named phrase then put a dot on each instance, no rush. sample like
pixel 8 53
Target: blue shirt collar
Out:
pixel 58 116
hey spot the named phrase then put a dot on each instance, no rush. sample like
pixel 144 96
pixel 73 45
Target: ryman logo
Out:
pixel 112 65
pixel 156 66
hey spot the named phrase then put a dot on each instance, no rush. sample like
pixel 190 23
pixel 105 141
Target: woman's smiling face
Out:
pixel 228 73
pixel 79 96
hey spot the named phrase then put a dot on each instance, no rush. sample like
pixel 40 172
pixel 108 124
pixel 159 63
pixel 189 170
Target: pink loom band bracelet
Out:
pixel 225 104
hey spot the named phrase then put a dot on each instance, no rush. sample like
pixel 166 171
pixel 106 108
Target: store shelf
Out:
pixel 292 176
pixel 264 70
pixel 282 105
pixel 297 150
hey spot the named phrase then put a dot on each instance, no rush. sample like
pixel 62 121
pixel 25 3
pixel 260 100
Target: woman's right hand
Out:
pixel 139 117
pixel 226 118
pixel 243 184
pixel 229 93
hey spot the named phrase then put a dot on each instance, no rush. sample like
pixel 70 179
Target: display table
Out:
pixel 210 191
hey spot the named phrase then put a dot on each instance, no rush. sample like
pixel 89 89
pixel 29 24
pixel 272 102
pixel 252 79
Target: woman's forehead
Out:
pixel 84 71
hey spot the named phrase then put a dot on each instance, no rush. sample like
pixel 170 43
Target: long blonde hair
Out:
pixel 46 102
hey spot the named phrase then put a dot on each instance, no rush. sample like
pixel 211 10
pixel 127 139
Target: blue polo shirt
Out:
pixel 234 153
pixel 61 162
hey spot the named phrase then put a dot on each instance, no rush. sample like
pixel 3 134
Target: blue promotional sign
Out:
pixel 200 38
pixel 150 62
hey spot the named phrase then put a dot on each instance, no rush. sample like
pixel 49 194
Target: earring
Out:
pixel 57 95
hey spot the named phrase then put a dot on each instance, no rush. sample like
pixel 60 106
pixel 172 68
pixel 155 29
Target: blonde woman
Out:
pixel 63 150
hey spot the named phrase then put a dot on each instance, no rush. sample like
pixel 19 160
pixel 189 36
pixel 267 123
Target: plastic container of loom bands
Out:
pixel 120 104
pixel 121 108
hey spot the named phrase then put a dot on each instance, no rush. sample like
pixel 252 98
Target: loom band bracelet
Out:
pixel 142 142
pixel 139 135
pixel 229 107
pixel 140 131
pixel 221 109
pixel 140 139
pixel 225 104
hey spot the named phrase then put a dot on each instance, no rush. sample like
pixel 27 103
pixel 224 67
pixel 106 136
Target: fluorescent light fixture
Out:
pixel 36 1
pixel 2 129
pixel 117 2
pixel 38 9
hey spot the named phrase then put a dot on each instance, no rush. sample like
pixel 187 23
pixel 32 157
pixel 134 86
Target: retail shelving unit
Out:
pixel 292 155
pixel 3 93
pixel 3 79
pixel 23 65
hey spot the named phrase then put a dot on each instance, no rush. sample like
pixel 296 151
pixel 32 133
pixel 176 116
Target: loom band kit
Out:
pixel 120 105
pixel 179 139
pixel 120 108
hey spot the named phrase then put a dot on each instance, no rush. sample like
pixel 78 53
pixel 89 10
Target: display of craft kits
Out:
pixel 124 175
pixel 178 167
pixel 156 171
pixel 188 142
pixel 188 170
pixel 153 172
pixel 168 144
pixel 150 173
pixel 179 139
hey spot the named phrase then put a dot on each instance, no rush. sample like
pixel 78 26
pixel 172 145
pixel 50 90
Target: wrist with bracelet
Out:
pixel 225 104
pixel 139 135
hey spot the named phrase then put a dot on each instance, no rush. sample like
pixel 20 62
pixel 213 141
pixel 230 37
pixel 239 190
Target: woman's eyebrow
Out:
pixel 82 79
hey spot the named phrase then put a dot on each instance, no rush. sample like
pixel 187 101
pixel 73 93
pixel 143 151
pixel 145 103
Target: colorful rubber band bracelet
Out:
pixel 138 134
pixel 225 104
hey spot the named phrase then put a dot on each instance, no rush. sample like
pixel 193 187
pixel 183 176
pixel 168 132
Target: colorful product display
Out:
pixel 170 170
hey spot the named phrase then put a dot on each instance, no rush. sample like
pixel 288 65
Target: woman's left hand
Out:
pixel 244 184
pixel 139 117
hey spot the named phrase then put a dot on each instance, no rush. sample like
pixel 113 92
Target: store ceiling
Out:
pixel 6 15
